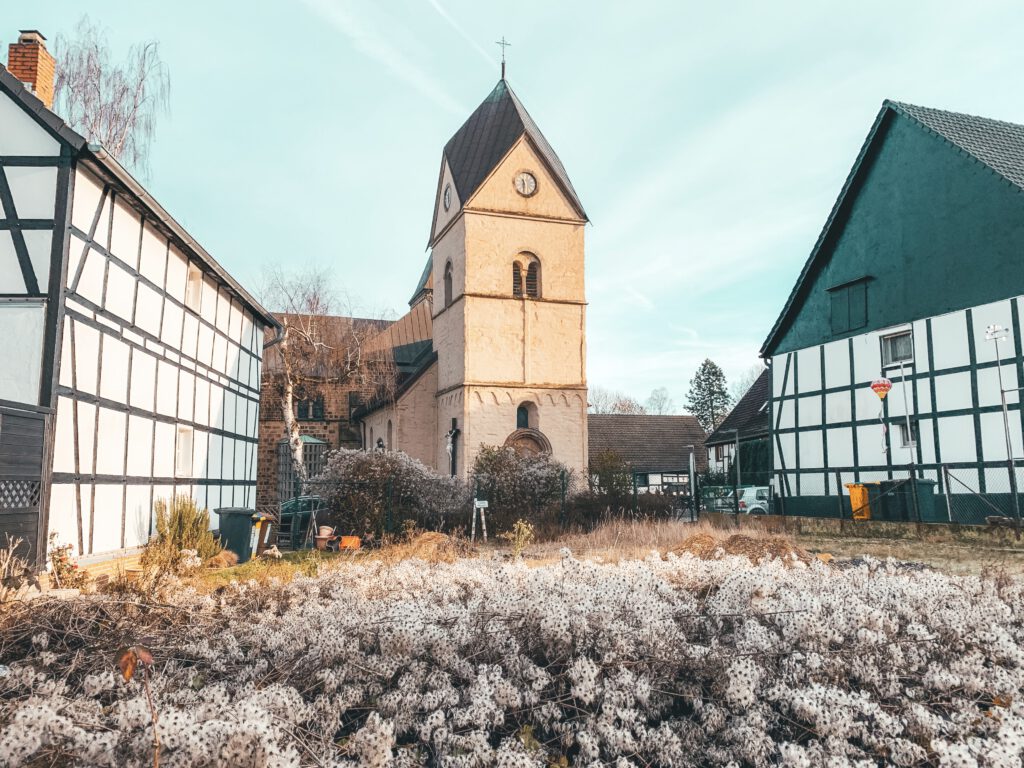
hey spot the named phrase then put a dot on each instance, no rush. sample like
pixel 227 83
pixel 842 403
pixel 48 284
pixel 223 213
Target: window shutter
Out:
pixel 858 305
pixel 533 280
pixel 840 311
pixel 517 280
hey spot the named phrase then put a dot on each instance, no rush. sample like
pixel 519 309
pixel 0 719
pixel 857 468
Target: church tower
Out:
pixel 509 306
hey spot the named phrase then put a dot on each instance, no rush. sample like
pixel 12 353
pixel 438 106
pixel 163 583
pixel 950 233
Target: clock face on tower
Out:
pixel 447 196
pixel 525 183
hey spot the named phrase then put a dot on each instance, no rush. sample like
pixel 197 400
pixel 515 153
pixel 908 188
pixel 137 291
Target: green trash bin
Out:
pixel 236 526
pixel 897 501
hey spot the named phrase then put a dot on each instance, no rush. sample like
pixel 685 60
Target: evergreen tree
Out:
pixel 708 398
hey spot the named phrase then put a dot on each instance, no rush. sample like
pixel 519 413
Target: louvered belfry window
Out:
pixel 533 280
pixel 517 280
pixel 448 284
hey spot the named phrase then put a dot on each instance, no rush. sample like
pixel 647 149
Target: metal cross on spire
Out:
pixel 504 44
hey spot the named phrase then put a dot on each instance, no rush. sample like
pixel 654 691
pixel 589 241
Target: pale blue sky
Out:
pixel 707 140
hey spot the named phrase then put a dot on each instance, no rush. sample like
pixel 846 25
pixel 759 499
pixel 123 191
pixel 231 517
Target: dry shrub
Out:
pixel 15 572
pixel 181 528
pixel 755 548
pixel 429 547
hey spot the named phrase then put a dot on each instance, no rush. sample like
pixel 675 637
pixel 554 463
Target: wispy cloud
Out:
pixel 462 32
pixel 367 41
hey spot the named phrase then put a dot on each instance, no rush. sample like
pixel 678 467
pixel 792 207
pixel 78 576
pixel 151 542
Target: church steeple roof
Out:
pixel 487 136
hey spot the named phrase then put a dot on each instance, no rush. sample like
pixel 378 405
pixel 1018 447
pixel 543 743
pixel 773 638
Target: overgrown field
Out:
pixel 668 661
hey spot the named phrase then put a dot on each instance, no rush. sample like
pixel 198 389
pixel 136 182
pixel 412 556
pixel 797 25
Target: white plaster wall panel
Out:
pixel 11 280
pixel 200 452
pixel 235 368
pixel 868 404
pixel 164 493
pixel 63 514
pixel 186 395
pixel 204 353
pixel 924 397
pixel 949 341
pixel 230 409
pixel 953 391
pixel 837 407
pixel 138 511
pixel 920 330
pixel 785 451
pixel 220 354
pixel 840 447
pixel 241 414
pixel 87 355
pixel 64 437
pixel 235 321
pixel 785 413
pixel 240 456
pixel 778 375
pixel 177 273
pixel 997 313
pixel 140 446
pixel 993 436
pixel 85 200
pixel 39 243
pixel 147 310
pixel 897 394
pixel 227 459
pixel 809 412
pixel 247 335
pixel 808 370
pixel 873 477
pixel 76 250
pixel 120 295
pixel 163 449
pixel 956 435
pixel 86 436
pixel 867 357
pixel 166 389
pixel 34 190
pixel 124 237
pixel 21 345
pixel 170 333
pixel 202 402
pixel 208 307
pixel 216 406
pixel 223 310
pixel 90 284
pixel 926 437
pixel 813 484
pixel 254 424
pixel 988 385
pixel 213 469
pixel 110 439
pixel 811 451
pixel 870 445
pixel 190 335
pixel 143 380
pixel 102 234
pixel 21 134
pixel 108 510
pixel 837 364
pixel 153 260
pixel 114 373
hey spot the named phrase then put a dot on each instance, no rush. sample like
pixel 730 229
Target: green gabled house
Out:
pixel 922 251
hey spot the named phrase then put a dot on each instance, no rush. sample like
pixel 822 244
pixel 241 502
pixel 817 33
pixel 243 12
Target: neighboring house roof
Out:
pixel 425 284
pixel 487 136
pixel 750 415
pixel 648 443
pixel 106 165
pixel 997 145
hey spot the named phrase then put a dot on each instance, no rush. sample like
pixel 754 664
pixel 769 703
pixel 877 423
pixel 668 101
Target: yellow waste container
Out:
pixel 859 501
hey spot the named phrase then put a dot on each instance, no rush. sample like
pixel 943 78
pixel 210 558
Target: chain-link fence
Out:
pixel 989 496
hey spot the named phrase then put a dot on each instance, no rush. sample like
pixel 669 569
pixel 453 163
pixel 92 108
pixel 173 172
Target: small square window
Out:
pixel 897 348
pixel 907 439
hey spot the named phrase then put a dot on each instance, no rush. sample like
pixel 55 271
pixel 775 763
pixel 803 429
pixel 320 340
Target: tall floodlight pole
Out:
pixel 996 333
pixel 911 442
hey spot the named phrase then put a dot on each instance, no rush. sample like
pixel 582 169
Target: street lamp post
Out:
pixel 996 333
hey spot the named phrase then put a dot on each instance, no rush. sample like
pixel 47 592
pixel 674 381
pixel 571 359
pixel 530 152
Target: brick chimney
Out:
pixel 29 61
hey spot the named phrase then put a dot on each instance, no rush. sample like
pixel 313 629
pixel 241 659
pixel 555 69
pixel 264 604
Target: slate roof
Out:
pixel 996 144
pixel 648 443
pixel 749 415
pixel 487 136
pixel 104 163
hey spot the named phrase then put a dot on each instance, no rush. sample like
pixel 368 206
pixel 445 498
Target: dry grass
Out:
pixel 429 547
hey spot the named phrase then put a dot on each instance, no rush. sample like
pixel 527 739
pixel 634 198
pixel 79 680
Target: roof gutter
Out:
pixel 110 163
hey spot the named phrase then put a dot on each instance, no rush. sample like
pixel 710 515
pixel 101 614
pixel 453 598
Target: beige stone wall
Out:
pixel 417 421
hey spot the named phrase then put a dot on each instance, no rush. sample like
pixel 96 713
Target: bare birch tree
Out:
pixel 603 400
pixel 318 348
pixel 113 104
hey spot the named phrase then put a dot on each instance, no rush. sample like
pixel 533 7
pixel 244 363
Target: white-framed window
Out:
pixel 906 436
pixel 194 288
pixel 897 348
pixel 183 452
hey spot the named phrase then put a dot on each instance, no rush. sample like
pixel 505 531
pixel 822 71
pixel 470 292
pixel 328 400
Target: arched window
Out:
pixel 448 284
pixel 522 417
pixel 389 434
pixel 533 280
pixel 517 280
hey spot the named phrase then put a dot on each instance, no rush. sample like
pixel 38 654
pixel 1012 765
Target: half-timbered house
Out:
pixel 131 359
pixel 922 252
